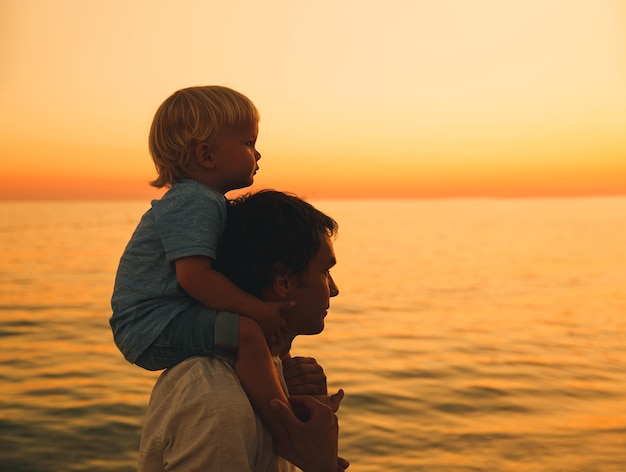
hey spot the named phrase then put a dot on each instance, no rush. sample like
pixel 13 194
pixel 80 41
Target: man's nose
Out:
pixel 334 290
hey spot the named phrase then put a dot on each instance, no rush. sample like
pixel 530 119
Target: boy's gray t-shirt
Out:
pixel 187 221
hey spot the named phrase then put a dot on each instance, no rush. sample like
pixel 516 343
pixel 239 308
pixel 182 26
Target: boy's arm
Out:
pixel 196 276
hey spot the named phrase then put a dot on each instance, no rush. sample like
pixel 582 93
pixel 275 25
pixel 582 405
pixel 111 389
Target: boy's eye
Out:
pixel 250 143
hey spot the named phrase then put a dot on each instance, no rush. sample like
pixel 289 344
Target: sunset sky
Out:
pixel 358 98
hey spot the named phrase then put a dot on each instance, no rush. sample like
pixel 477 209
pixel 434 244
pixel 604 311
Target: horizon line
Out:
pixel 338 198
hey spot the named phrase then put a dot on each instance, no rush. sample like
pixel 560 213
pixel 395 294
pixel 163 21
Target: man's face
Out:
pixel 312 294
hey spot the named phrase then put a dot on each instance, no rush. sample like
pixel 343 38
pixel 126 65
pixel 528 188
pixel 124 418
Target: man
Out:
pixel 279 248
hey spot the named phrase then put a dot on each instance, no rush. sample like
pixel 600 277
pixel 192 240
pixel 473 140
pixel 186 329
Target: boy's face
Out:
pixel 236 157
pixel 312 295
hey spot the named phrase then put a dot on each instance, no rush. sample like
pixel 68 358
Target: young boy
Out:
pixel 202 141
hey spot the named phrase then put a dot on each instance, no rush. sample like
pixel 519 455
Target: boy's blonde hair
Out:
pixel 191 116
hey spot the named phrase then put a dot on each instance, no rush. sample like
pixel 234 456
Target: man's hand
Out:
pixel 304 376
pixel 316 440
pixel 331 401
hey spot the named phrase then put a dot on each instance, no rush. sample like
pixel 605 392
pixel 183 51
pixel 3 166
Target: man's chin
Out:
pixel 312 331
pixel 319 329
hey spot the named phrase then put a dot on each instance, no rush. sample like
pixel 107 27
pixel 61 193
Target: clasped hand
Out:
pixel 304 376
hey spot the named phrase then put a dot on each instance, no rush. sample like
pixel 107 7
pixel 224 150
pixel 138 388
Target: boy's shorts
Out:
pixel 197 331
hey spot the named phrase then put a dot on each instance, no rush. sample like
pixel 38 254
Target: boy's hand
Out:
pixel 271 322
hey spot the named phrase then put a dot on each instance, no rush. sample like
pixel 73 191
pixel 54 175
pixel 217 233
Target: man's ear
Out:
pixel 282 285
pixel 203 156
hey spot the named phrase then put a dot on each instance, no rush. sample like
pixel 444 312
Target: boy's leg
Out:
pixel 258 376
pixel 197 331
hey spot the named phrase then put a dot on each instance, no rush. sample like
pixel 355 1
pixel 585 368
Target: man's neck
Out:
pixel 282 348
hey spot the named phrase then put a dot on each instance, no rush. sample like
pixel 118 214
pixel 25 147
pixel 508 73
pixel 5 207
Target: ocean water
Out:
pixel 469 335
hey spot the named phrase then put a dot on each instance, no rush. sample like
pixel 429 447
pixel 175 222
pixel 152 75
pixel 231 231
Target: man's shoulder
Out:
pixel 201 386
pixel 201 398
pixel 192 405
pixel 195 369
pixel 205 375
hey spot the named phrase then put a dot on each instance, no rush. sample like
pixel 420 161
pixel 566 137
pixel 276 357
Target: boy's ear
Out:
pixel 203 156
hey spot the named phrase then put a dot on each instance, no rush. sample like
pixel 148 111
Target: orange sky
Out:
pixel 393 98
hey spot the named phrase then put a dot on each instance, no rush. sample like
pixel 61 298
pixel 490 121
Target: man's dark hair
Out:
pixel 270 233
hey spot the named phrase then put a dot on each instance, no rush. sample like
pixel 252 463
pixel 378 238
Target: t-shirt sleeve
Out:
pixel 192 228
pixel 199 418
